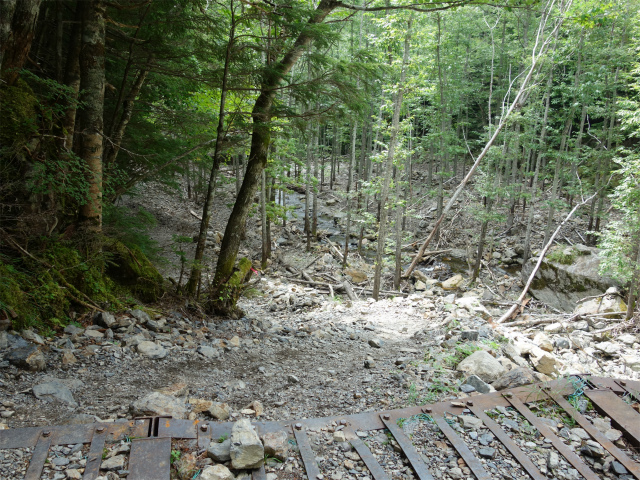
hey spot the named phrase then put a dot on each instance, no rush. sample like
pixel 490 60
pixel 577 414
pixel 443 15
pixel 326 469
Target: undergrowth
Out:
pixel 48 286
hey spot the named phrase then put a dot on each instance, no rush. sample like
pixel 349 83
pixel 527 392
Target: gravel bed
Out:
pixel 548 460
pixel 492 454
pixel 14 462
pixel 437 452
pixel 65 461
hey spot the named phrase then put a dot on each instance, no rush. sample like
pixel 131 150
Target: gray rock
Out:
pixel 208 352
pixel 592 449
pixel 73 330
pixel 608 348
pixel 140 315
pixel 470 422
pixel 375 343
pixel 293 379
pixel 4 340
pixel 608 306
pixel 469 335
pixel 247 450
pixel 618 468
pixel 154 326
pixel 553 460
pixel 216 472
pixel 94 334
pixel 80 419
pixel 54 390
pixel 515 378
pixel 467 388
pixel 483 365
pixel 456 473
pixel 104 319
pixel 276 444
pixel 32 337
pixel 477 383
pixel 561 343
pixel 220 411
pixel 486 439
pixel 158 404
pixel 487 452
pixel 27 358
pixel 113 463
pixel 562 286
pixel 220 451
pixel 152 350
pixel 16 341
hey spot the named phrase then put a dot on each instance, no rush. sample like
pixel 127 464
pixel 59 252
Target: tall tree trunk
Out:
pixel 112 146
pixel 315 151
pixel 349 184
pixel 72 77
pixel 542 149
pixel 263 218
pixel 7 8
pixel 196 269
pixel 307 189
pixel 398 230
pixel 388 166
pixel 260 140
pixel 15 48
pixel 92 82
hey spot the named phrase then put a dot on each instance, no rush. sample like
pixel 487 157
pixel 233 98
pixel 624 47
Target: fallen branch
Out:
pixel 519 303
pixel 336 253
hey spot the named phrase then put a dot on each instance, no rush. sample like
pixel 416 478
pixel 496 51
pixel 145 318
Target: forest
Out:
pixel 432 123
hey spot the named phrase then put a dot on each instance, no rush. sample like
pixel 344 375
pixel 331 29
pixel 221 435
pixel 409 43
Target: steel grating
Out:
pixel 151 438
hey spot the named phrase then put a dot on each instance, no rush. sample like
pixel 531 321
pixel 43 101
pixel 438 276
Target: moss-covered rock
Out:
pixel 19 107
pixel 14 301
pixel 130 268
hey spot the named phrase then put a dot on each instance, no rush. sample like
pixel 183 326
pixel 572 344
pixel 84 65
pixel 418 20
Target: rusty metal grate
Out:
pixel 151 437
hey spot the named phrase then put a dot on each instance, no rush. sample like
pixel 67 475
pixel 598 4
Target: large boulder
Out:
pixel 131 268
pixel 563 285
pixel 482 364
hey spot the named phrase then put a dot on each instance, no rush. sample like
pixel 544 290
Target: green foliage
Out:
pixel 131 228
pixel 620 240
pixel 18 105
pixel 562 255
pixel 175 456
pixel 461 351
pixel 42 290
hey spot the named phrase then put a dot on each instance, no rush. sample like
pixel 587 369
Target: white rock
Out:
pixel 483 365
pixel 453 282
pixel 544 362
pixel 216 472
pixel 158 404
